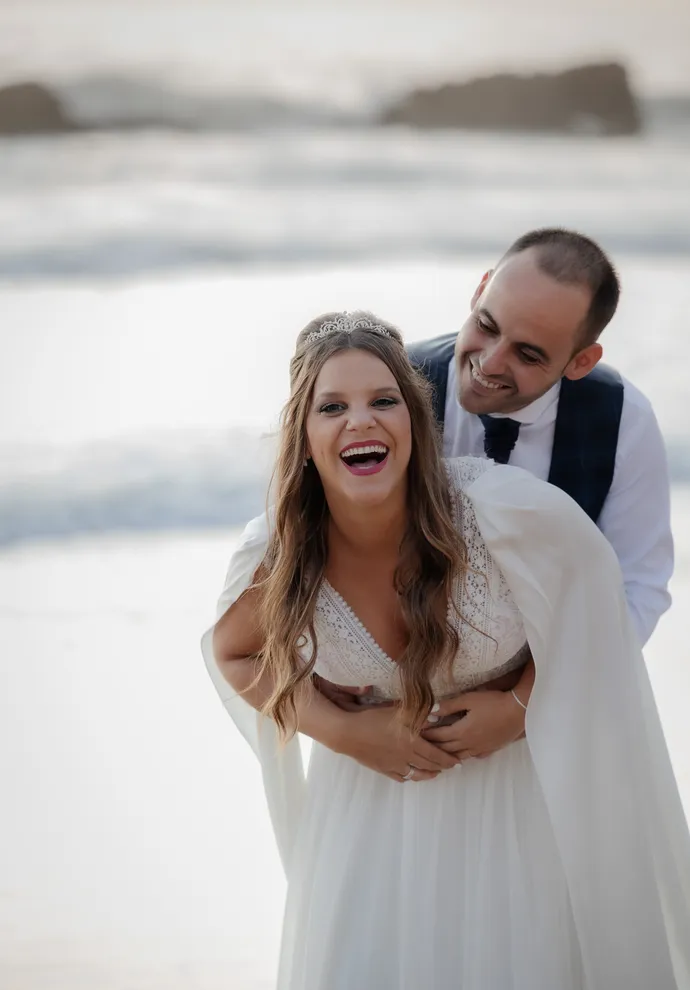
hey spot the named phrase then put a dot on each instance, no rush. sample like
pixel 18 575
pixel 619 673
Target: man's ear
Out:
pixel 479 291
pixel 582 363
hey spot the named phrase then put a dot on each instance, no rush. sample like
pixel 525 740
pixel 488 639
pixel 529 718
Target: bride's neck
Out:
pixel 367 530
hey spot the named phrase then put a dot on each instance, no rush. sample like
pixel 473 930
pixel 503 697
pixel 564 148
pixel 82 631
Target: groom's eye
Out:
pixel 485 327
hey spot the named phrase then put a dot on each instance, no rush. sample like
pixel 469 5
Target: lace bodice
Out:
pixel 492 637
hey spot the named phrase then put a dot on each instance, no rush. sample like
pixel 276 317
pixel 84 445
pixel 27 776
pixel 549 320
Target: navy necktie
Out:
pixel 499 437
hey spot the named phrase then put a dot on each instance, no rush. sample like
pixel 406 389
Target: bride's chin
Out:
pixel 374 498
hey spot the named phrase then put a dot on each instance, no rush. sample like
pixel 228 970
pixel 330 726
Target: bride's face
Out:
pixel 358 429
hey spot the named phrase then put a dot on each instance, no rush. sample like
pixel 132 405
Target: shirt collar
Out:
pixel 543 409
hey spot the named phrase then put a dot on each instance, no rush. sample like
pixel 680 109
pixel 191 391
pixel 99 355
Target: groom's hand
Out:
pixel 348 699
pixel 492 720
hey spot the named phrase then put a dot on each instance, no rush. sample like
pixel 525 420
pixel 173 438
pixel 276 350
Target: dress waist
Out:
pixel 502 678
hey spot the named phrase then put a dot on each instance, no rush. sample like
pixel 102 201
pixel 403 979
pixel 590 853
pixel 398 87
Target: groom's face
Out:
pixel 522 336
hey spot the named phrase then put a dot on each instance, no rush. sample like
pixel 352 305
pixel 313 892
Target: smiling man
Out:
pixel 528 329
pixel 521 383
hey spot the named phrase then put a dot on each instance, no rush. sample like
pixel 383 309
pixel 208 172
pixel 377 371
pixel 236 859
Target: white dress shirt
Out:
pixel 636 517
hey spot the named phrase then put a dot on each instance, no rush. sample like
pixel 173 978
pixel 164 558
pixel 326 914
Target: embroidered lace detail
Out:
pixel 491 630
pixel 492 637
pixel 347 652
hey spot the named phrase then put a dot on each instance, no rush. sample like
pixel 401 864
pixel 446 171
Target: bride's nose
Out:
pixel 360 418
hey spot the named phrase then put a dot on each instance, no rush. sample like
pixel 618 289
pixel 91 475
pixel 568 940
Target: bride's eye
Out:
pixel 331 407
pixel 384 402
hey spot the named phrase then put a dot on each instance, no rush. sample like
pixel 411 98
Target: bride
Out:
pixel 561 862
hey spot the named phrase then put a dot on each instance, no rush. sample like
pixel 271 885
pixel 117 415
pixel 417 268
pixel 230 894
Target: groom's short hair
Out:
pixel 574 259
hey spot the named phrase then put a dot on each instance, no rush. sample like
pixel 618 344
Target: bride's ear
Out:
pixel 479 291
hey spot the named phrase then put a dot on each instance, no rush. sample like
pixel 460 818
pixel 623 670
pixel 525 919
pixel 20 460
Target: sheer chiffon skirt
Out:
pixel 450 883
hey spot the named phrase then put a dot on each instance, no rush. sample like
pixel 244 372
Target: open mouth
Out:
pixel 484 382
pixel 364 458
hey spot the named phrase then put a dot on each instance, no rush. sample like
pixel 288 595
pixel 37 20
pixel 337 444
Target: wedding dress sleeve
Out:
pixel 594 733
pixel 281 764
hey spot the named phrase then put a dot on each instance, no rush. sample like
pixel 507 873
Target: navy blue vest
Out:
pixel 583 456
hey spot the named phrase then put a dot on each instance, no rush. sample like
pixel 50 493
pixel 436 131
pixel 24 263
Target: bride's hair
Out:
pixel 432 553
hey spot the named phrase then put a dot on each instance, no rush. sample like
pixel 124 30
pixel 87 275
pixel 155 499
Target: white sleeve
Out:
pixel 636 518
pixel 281 764
pixel 594 735
pixel 244 562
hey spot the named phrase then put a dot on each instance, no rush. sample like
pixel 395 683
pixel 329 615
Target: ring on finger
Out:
pixel 410 773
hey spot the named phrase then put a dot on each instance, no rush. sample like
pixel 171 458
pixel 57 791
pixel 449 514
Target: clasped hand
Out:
pixel 374 735
pixel 377 738
pixel 492 720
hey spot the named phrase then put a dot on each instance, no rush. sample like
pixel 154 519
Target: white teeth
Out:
pixel 376 448
pixel 482 381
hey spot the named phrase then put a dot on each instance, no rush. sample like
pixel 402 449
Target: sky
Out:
pixel 235 40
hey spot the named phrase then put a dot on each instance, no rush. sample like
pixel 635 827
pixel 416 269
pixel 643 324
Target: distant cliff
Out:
pixel 594 99
pixel 589 99
pixel 29 108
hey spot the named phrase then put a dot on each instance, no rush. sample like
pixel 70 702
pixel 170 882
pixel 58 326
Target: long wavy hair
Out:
pixel 432 554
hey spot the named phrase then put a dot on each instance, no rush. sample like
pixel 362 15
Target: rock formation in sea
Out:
pixel 29 108
pixel 594 99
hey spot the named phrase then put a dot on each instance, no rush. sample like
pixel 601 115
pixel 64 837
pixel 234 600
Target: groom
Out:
pixel 521 383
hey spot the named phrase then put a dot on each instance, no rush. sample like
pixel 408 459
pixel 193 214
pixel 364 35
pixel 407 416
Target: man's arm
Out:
pixel 636 518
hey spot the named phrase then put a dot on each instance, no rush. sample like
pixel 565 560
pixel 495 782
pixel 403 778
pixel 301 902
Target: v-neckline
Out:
pixel 365 632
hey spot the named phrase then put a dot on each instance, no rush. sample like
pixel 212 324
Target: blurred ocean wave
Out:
pixel 226 135
pixel 115 101
pixel 171 482
pixel 185 481
pixel 125 203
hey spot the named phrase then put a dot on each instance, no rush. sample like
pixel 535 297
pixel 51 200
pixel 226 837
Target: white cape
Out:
pixel 592 728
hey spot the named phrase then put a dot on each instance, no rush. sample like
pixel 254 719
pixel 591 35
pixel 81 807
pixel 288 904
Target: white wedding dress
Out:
pixel 559 863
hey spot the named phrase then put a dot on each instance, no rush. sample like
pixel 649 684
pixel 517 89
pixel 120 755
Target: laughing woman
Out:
pixel 561 862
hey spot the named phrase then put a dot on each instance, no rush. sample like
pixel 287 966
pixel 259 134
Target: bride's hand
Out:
pixel 377 739
pixel 492 720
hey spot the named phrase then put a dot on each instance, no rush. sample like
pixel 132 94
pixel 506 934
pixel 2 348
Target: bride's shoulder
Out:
pixel 258 530
pixel 249 552
pixel 462 471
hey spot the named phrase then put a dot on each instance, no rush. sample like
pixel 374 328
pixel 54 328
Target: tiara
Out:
pixel 346 323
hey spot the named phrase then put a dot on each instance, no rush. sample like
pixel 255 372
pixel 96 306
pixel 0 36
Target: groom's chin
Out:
pixel 475 401
pixel 478 404
pixel 469 402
